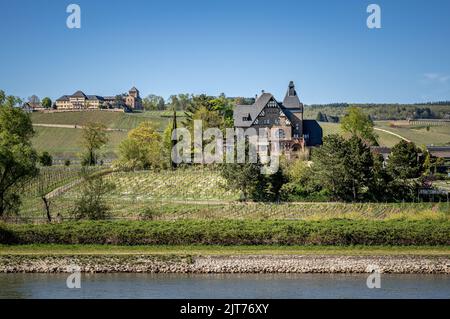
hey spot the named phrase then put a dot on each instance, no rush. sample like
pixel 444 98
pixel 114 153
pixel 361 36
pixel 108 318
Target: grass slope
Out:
pixel 437 135
pixel 199 250
pixel 65 142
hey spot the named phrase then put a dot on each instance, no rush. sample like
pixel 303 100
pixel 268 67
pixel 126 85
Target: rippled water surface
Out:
pixel 223 286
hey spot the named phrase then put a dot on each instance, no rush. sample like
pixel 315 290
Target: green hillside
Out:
pixel 437 135
pixel 65 142
pixel 115 120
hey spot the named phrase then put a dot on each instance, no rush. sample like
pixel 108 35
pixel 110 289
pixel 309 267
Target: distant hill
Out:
pixel 380 112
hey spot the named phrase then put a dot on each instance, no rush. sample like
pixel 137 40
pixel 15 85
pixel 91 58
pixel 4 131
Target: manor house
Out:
pixel 294 132
pixel 80 101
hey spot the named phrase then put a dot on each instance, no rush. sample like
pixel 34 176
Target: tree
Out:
pixel 91 204
pixel 118 101
pixel 34 100
pixel 153 102
pixel 356 123
pixel 180 101
pixel 343 167
pixel 47 102
pixel 403 162
pixel 94 137
pixel 167 143
pixel 17 156
pixel 141 149
pixel 359 164
pixel 46 159
pixel 241 177
pixel 330 167
pixel 319 117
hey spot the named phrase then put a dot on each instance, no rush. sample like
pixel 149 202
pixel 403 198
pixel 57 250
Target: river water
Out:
pixel 180 286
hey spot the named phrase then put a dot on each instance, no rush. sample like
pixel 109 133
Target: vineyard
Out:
pixel 49 179
pixel 198 193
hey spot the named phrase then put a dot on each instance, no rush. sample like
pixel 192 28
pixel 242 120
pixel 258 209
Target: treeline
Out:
pixel 231 232
pixel 439 110
pixel 185 101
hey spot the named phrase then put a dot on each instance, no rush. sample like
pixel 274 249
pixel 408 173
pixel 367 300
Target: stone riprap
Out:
pixel 226 264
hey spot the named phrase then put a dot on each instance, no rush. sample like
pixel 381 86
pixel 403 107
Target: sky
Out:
pixel 238 47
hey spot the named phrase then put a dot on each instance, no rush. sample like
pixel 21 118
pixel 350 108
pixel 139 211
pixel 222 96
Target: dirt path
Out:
pixel 62 189
pixel 392 133
pixel 73 126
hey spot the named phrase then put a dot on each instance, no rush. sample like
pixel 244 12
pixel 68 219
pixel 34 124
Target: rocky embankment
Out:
pixel 226 264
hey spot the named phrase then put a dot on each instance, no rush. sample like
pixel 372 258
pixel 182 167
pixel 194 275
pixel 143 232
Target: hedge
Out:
pixel 231 232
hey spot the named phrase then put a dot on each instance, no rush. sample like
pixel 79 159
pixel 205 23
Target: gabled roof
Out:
pixel 63 98
pixel 79 94
pixel 133 89
pixel 250 111
pixel 290 105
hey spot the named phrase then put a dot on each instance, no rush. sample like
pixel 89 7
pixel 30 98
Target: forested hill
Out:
pixel 429 110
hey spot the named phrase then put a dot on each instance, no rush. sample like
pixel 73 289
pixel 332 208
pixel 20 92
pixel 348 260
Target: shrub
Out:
pixel 91 204
pixel 46 159
pixel 232 232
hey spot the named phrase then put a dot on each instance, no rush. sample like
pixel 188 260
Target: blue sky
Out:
pixel 237 47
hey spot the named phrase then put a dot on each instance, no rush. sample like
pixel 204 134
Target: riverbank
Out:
pixel 178 263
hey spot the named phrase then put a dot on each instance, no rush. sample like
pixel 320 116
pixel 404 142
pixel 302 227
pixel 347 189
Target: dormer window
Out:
pixel 247 118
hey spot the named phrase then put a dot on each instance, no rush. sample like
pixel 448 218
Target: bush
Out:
pixel 46 159
pixel 91 204
pixel 231 232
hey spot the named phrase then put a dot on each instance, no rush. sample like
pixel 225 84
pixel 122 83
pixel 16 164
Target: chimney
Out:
pixel 262 91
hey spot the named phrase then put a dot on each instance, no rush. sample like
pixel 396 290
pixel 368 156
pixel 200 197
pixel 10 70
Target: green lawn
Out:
pixel 420 135
pixel 53 249
pixel 437 135
pixel 116 120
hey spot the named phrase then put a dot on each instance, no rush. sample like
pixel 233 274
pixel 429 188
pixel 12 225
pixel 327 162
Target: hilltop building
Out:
pixel 80 101
pixel 294 132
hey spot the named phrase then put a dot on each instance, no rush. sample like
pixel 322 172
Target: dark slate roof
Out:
pixel 439 151
pixel 250 111
pixel 133 89
pixel 63 98
pixel 95 97
pixel 291 100
pixel 79 94
pixel 313 129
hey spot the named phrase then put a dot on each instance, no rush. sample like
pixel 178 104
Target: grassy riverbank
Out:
pixel 233 232
pixel 205 250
